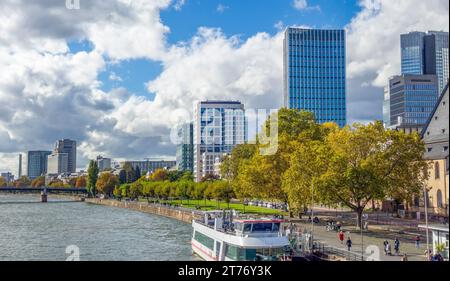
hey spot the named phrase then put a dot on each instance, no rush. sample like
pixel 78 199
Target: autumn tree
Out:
pixel 38 182
pixel 3 182
pixel 23 181
pixel 106 183
pixel 367 162
pixel 81 182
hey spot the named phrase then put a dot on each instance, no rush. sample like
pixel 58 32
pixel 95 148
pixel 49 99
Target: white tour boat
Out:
pixel 219 237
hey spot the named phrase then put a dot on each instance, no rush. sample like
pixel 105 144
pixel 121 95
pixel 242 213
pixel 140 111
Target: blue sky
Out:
pixel 244 18
pixel 53 94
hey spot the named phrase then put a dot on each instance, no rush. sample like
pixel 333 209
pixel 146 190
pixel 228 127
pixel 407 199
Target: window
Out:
pixel 436 171
pixel 439 199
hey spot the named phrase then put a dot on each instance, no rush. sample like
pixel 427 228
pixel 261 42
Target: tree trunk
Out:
pixel 359 212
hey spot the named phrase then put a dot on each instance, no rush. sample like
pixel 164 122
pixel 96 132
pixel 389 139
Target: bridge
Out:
pixel 44 191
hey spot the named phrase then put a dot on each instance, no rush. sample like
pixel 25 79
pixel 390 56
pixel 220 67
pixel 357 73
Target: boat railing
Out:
pixel 232 231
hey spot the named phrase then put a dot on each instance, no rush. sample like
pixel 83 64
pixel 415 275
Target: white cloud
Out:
pixel 179 4
pixel 222 8
pixel 51 93
pixel 303 5
pixel 373 47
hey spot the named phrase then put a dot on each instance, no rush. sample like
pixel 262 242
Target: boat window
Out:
pixel 247 227
pixel 204 240
pixel 262 227
pixel 276 227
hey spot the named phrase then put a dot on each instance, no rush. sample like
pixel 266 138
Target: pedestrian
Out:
pixel 404 258
pixel 341 236
pixel 385 242
pixel 349 243
pixel 417 241
pixel 397 246
pixel 388 248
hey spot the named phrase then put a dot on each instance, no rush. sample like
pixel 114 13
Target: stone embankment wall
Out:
pixel 181 214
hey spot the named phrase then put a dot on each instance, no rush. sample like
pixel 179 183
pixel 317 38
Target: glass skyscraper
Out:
pixel 315 73
pixel 37 163
pixel 426 53
pixel 218 127
pixel 185 148
pixel 412 99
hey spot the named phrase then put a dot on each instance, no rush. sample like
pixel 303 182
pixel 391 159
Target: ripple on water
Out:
pixel 43 231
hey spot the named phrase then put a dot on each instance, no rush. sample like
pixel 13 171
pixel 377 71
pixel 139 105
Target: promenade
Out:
pixel 370 238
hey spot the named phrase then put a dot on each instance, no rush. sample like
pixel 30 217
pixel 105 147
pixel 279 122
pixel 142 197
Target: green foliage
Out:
pixel 92 177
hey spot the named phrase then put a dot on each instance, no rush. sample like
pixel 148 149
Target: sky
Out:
pixel 119 75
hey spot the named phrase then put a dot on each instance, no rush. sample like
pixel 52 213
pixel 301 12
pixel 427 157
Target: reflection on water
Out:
pixel 39 231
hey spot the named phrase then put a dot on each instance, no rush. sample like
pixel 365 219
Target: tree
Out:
pixel 81 182
pixel 106 183
pixel 117 192
pixel 122 176
pixel 3 182
pixel 306 163
pixel 223 191
pixel 56 183
pixel 73 182
pixel 38 182
pixel 369 162
pixel 23 181
pixel 137 173
pixel 92 177
pixel 130 173
pixel 159 175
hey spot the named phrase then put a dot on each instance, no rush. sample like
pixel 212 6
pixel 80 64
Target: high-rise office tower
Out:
pixel 69 147
pixel 218 127
pixel 426 53
pixel 37 163
pixel 185 147
pixel 103 163
pixel 315 73
pixel 412 98
pixel 58 163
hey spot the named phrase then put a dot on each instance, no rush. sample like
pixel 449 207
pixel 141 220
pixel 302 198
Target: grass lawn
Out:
pixel 214 205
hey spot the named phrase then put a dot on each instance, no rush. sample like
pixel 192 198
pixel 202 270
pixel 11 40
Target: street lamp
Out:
pixel 425 196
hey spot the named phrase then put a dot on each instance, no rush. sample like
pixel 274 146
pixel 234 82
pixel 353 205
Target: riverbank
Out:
pixel 181 214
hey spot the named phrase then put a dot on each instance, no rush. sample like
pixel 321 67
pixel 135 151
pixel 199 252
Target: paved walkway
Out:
pixel 373 237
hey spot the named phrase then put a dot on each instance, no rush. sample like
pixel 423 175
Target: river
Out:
pixel 45 231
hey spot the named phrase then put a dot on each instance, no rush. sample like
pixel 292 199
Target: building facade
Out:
pixel 185 148
pixel 37 163
pixel 436 138
pixel 411 100
pixel 70 148
pixel 58 163
pixel 218 127
pixel 315 73
pixel 103 163
pixel 426 53
pixel 8 177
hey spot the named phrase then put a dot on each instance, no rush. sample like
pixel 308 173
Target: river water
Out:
pixel 30 230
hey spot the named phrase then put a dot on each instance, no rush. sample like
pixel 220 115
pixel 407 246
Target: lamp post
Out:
pixel 425 196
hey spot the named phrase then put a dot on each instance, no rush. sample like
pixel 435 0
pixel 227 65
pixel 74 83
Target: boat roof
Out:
pixel 259 220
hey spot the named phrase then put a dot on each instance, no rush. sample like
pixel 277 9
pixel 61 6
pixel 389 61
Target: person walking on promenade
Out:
pixel 397 246
pixel 385 242
pixel 341 236
pixel 349 244
pixel 388 249
pixel 417 241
